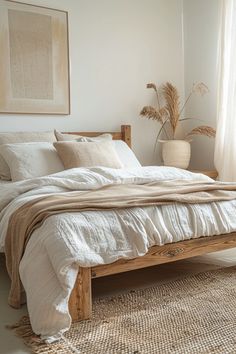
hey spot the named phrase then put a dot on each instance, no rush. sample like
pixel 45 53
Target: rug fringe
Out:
pixel 23 329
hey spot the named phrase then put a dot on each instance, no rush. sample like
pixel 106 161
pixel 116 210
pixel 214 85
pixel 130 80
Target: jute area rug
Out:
pixel 196 314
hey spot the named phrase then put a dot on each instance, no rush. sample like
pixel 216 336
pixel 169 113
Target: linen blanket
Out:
pixel 64 242
pixel 31 215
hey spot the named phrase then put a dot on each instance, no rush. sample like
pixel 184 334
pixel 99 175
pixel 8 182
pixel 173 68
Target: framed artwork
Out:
pixel 34 59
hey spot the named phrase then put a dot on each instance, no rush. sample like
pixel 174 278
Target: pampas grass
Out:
pixel 151 113
pixel 202 130
pixel 171 112
pixel 171 97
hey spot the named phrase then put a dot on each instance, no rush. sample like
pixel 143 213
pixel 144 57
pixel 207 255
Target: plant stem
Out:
pixel 166 133
pixel 190 119
pixel 163 127
pixel 189 96
pixel 158 101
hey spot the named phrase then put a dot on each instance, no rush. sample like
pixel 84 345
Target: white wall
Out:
pixel 201 23
pixel 116 47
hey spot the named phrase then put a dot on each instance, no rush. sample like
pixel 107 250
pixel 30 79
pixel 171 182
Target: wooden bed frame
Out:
pixel 80 303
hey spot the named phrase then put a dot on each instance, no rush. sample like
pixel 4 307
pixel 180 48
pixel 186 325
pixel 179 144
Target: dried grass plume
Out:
pixel 169 114
pixel 202 130
pixel 171 96
pixel 153 86
pixel 151 113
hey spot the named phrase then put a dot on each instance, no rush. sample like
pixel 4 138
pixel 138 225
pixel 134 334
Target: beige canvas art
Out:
pixel 34 63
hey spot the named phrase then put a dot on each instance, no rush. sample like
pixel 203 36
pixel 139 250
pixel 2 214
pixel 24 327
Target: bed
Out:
pixel 149 253
pixel 80 303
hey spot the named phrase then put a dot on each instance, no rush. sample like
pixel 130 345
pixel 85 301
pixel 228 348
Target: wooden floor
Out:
pixel 112 285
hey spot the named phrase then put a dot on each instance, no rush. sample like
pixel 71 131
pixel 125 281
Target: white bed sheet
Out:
pixel 66 241
pixel 3 183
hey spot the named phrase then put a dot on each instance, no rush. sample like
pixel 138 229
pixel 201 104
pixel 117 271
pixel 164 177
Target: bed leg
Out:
pixel 80 302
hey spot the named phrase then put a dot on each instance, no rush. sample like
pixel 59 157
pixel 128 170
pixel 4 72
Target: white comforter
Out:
pixel 69 240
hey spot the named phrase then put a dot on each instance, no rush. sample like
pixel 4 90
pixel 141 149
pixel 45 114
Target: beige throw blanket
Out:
pixel 31 215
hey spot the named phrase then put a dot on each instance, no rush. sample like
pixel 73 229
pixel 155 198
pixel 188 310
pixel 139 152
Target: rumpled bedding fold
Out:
pixel 118 196
pixel 64 242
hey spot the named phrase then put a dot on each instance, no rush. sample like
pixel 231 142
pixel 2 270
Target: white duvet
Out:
pixel 64 242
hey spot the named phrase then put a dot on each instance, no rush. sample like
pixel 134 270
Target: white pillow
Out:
pixel 29 160
pixel 21 137
pixel 69 137
pixel 126 155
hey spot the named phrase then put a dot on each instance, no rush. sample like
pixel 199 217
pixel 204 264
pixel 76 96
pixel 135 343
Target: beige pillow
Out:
pixel 68 137
pixel 21 137
pixel 84 154
pixel 29 160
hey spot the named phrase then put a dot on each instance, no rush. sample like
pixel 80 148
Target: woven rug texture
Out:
pixel 196 314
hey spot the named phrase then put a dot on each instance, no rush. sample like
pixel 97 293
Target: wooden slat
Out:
pixel 80 302
pixel 168 253
pixel 126 134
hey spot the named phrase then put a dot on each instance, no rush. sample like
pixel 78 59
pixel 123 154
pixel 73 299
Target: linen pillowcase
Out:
pixel 68 137
pixel 21 137
pixel 29 160
pixel 87 154
pixel 126 155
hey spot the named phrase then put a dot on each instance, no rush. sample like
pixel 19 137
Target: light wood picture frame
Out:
pixel 34 59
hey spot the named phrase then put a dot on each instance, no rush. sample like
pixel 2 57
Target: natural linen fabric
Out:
pixel 126 155
pixel 225 147
pixel 67 241
pixel 21 137
pixel 33 214
pixel 88 154
pixel 29 160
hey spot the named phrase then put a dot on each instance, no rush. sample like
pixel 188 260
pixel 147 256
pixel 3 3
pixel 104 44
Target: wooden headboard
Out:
pixel 124 134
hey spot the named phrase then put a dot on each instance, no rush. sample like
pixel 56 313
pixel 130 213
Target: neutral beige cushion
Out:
pixel 29 160
pixel 68 137
pixel 21 137
pixel 125 154
pixel 88 154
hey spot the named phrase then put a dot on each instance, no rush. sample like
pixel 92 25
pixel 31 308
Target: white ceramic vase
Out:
pixel 176 153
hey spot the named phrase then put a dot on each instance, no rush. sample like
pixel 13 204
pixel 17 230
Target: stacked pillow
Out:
pixel 27 155
pixel 28 160
pixel 117 151
pixel 80 151
pixel 16 138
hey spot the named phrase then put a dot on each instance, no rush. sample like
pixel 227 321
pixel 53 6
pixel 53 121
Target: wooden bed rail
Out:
pixel 80 303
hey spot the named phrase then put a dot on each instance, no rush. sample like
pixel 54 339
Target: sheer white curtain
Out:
pixel 225 148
